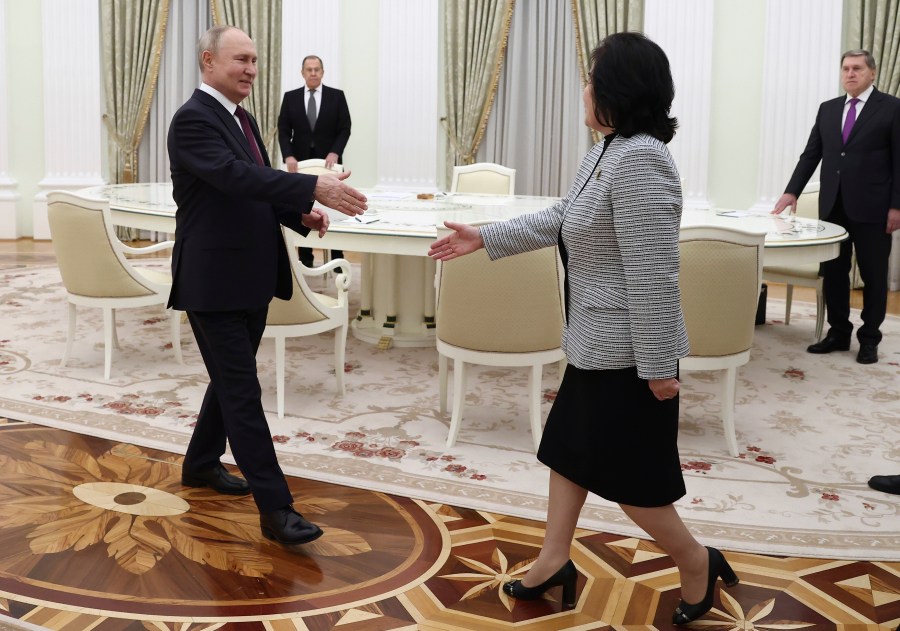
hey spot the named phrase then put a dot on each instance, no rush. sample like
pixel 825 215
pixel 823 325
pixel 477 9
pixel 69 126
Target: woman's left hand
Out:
pixel 463 240
pixel 664 388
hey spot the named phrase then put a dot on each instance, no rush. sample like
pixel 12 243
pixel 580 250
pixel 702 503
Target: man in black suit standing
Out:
pixel 857 139
pixel 314 122
pixel 228 262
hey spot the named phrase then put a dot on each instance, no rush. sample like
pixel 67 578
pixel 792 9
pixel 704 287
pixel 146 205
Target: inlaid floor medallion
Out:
pixel 91 524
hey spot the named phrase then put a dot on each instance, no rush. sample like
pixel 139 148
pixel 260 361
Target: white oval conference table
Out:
pixel 397 285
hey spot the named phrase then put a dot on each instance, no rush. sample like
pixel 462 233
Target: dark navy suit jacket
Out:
pixel 866 170
pixel 332 125
pixel 229 251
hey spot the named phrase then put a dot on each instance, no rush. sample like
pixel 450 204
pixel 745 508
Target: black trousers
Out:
pixel 873 249
pixel 232 406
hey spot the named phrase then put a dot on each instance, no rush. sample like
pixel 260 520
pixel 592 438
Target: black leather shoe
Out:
pixel 828 345
pixel 566 576
pixel 886 483
pixel 868 354
pixel 288 527
pixel 718 567
pixel 218 479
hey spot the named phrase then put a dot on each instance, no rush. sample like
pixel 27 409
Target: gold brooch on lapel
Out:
pixel 597 176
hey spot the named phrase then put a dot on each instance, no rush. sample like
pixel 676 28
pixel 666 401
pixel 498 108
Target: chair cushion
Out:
pixel 156 276
pixel 810 270
pixel 298 310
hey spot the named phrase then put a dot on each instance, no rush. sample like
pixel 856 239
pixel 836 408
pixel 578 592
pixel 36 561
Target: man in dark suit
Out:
pixel 857 139
pixel 314 122
pixel 229 261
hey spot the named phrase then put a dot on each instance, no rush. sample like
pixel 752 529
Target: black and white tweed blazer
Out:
pixel 620 223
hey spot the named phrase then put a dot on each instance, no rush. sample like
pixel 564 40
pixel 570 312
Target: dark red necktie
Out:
pixel 241 113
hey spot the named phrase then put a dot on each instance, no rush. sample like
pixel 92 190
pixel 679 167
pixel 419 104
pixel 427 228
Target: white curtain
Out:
pixel 537 124
pixel 179 75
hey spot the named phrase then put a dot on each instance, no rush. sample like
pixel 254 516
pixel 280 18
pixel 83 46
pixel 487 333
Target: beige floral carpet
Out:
pixel 811 429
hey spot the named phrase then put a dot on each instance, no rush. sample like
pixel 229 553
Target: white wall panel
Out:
pixel 802 48
pixel 72 101
pixel 8 186
pixel 684 30
pixel 408 123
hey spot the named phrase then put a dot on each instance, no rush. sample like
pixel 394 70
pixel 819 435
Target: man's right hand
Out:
pixel 785 201
pixel 332 192
pixel 291 164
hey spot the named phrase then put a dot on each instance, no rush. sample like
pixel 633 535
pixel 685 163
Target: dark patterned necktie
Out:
pixel 311 110
pixel 241 113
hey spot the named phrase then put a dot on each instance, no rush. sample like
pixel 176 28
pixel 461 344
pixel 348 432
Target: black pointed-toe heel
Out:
pixel 566 576
pixel 718 567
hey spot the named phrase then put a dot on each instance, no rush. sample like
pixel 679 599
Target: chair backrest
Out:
pixel 316 166
pixel 808 202
pixel 511 305
pixel 300 309
pixel 483 177
pixel 85 245
pixel 721 272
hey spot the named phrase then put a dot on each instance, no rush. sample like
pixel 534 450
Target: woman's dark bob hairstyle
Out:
pixel 632 86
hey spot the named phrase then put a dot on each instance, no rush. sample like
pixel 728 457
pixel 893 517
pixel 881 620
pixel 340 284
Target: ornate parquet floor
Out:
pixel 96 534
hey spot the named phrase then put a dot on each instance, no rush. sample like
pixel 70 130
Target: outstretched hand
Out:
pixel 332 192
pixel 463 240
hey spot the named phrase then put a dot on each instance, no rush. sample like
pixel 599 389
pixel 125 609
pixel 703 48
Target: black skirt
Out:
pixel 607 433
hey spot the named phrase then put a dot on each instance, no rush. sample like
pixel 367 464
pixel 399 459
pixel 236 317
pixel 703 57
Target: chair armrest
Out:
pixel 156 247
pixel 341 281
pixel 328 267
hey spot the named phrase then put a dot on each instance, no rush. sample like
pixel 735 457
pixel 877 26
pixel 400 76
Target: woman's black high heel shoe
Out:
pixel 566 576
pixel 718 567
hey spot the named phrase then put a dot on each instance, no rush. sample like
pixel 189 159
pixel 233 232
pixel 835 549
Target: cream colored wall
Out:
pixel 25 105
pixel 359 79
pixel 736 107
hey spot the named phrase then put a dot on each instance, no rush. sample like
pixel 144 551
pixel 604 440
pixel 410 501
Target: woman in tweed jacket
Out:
pixel 613 427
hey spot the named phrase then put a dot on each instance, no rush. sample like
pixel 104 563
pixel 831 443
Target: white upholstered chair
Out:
pixel 804 275
pixel 309 313
pixel 483 177
pixel 96 273
pixel 507 312
pixel 721 272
